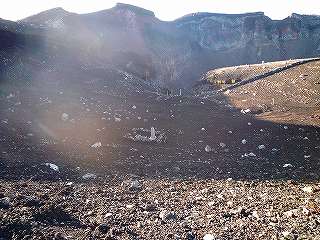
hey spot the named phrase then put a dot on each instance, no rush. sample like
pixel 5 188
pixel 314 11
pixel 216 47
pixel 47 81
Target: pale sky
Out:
pixel 164 9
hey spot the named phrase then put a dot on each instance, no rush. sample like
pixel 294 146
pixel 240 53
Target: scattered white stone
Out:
pixel 285 127
pixel 249 155
pixel 135 184
pixel 153 134
pixel 64 116
pixel 306 211
pixel 203 129
pixel 308 189
pixel 52 166
pixel 222 145
pixel 243 141
pixel 208 237
pixel 287 165
pixel 291 213
pixel 167 215
pixel 108 215
pixel 249 123
pixel 307 156
pixel 255 215
pixel 11 95
pixel 207 148
pixel 117 119
pixel 89 176
pixel 261 147
pixel 96 145
pixel 287 235
pixel 134 107
pixel 245 111
pixel 129 206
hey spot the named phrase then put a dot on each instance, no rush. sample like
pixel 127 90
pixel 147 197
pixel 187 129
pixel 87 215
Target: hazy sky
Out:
pixel 164 9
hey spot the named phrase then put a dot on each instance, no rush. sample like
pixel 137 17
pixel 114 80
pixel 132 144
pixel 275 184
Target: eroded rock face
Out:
pixel 168 54
pixel 222 31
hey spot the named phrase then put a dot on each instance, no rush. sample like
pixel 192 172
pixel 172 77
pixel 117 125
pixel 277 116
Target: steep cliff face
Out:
pixel 250 38
pixel 172 54
pixel 220 32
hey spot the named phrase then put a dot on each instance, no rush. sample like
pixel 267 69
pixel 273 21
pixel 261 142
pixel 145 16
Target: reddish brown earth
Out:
pixel 291 96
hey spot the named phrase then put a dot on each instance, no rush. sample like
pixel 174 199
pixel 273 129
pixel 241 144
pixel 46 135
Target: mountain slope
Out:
pixel 167 54
pixel 288 96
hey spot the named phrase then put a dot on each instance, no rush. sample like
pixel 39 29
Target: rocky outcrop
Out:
pixel 168 54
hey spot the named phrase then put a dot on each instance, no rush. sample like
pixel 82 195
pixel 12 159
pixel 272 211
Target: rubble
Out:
pixel 54 167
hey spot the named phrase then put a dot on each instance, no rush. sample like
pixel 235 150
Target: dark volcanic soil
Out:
pixel 215 171
pixel 33 133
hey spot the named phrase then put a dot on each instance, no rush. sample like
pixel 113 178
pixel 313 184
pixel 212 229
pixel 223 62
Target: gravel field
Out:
pixel 79 164
pixel 138 208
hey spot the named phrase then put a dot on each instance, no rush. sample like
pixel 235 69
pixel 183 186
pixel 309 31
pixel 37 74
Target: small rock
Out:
pixel 261 147
pixel 255 215
pixel 134 185
pixel 167 215
pixel 65 117
pixel 222 145
pixel 308 189
pixel 191 236
pixel 52 166
pixel 59 236
pixel 287 235
pixel 208 237
pixel 96 145
pixel 291 213
pixel 306 211
pixel 89 176
pixel 116 119
pixel 207 148
pixel 4 203
pixel 287 165
pixel 103 228
pixel 150 207
pixel 31 201
pixel 245 111
pixel 243 141
pixel 249 155
pixel 69 183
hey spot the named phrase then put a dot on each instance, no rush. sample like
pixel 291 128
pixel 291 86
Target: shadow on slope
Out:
pixel 35 131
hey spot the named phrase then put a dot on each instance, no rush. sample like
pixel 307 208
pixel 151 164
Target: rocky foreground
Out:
pixel 137 208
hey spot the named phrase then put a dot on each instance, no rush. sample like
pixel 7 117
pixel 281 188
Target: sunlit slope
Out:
pixel 291 95
pixel 234 74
